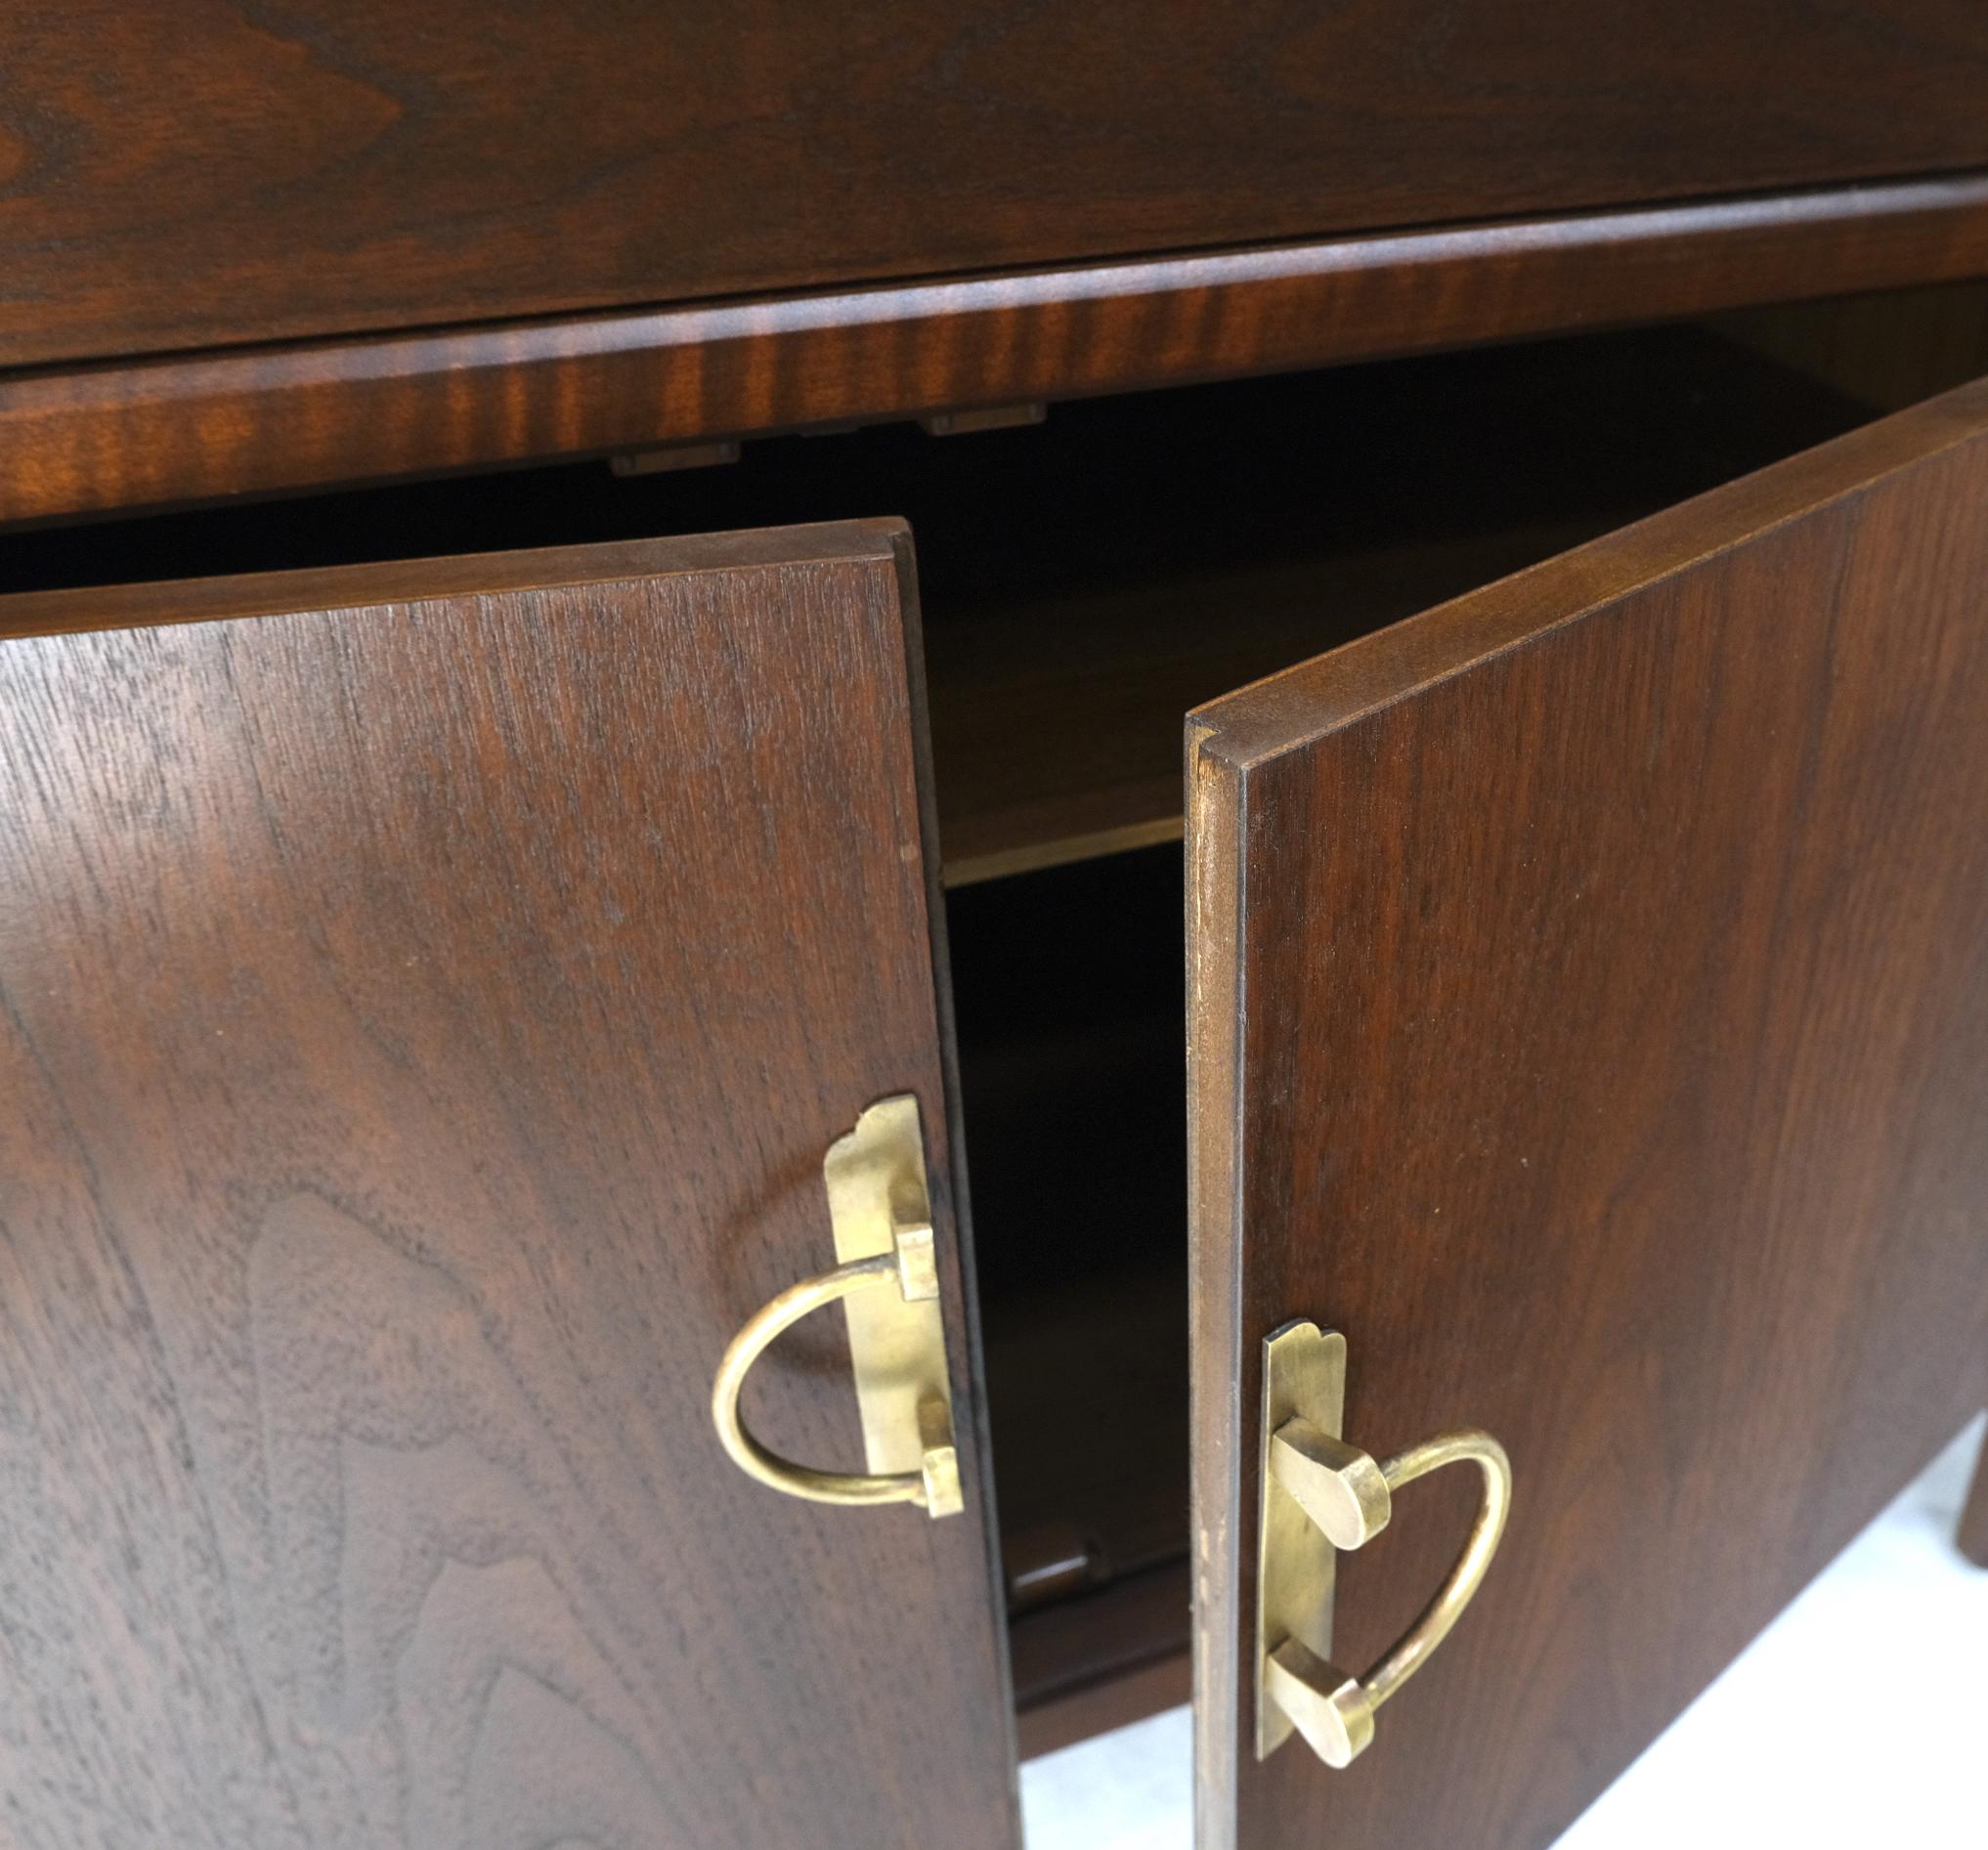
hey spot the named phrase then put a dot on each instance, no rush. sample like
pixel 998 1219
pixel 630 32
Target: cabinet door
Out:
pixel 426 996
pixel 1589 991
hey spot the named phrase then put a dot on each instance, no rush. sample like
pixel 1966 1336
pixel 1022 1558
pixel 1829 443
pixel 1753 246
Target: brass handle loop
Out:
pixel 934 1488
pixel 1465 1446
pixel 1350 1499
pixel 1321 1494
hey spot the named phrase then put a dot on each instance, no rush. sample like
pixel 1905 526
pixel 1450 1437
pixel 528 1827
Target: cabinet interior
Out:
pixel 1083 582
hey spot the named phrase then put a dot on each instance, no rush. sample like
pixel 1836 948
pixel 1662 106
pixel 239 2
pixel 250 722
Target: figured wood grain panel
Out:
pixel 263 418
pixel 204 172
pixel 1591 1018
pixel 423 1007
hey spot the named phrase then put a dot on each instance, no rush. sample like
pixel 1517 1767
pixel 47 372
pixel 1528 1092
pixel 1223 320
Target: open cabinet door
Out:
pixel 1590 1025
pixel 427 996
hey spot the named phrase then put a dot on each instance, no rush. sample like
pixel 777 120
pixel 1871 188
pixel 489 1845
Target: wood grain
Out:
pixel 208 172
pixel 422 1010
pixel 1589 1003
pixel 282 417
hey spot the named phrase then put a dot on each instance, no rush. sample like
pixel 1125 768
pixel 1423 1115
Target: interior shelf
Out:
pixel 1086 580
pixel 1184 545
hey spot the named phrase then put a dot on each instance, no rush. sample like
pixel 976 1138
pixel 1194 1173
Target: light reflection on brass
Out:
pixel 1320 1494
pixel 882 1216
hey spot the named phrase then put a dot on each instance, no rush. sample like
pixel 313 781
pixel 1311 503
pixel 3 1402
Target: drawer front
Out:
pixel 426 996
pixel 201 173
pixel 1590 1023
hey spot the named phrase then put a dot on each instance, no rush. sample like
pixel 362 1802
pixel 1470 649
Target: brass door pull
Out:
pixel 880 1211
pixel 1321 1494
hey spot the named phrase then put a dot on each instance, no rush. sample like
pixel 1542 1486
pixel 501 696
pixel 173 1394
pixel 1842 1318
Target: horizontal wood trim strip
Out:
pixel 265 420
pixel 76 609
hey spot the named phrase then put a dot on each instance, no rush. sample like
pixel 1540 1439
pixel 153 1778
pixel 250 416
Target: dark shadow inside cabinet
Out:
pixel 1069 1019
pixel 1068 1013
pixel 1084 583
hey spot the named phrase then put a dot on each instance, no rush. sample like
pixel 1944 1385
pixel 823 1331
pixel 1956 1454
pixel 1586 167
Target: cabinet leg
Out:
pixel 1974 1537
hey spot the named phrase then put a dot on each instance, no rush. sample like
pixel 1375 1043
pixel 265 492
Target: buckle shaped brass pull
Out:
pixel 888 1284
pixel 1319 1495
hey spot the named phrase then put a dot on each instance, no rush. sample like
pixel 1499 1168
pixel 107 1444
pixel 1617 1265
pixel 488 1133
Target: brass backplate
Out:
pixel 1303 1377
pixel 878 1192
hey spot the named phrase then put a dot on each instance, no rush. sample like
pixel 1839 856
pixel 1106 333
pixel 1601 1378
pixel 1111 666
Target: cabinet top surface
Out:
pixel 208 174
